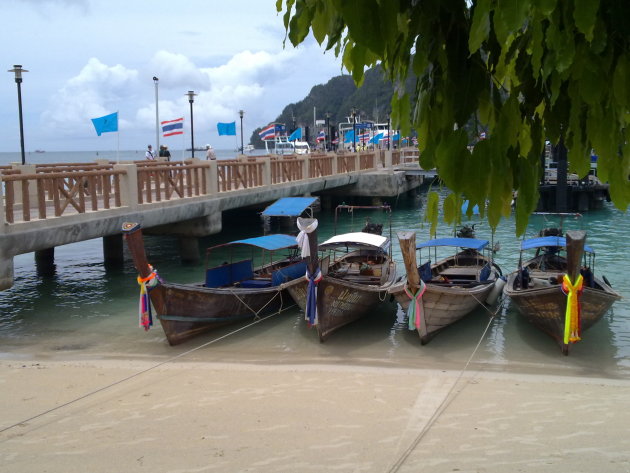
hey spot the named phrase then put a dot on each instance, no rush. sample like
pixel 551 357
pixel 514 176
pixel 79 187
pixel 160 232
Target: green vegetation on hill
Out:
pixel 337 97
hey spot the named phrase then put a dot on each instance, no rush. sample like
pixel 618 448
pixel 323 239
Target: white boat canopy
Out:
pixel 360 239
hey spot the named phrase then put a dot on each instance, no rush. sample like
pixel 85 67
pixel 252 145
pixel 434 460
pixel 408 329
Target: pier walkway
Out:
pixel 44 206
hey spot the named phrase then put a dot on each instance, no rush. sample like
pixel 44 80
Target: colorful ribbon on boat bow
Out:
pixel 572 323
pixel 311 296
pixel 144 306
pixel 416 307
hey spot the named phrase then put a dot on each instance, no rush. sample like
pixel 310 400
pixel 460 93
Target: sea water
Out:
pixel 84 311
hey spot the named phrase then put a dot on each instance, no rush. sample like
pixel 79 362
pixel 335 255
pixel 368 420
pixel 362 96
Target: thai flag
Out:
pixel 482 135
pixel 173 127
pixel 268 133
pixel 321 136
pixel 365 136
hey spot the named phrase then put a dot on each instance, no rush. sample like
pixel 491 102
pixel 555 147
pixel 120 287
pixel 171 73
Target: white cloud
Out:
pixel 231 55
pixel 176 71
pixel 97 90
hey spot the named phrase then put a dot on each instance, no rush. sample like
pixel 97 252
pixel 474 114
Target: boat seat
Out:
pixel 425 271
pixel 228 274
pixel 255 283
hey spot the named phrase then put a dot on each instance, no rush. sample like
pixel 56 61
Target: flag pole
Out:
pixel 183 145
pixel 118 140
pixel 157 117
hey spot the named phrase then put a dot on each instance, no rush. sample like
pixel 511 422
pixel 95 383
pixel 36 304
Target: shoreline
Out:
pixel 216 416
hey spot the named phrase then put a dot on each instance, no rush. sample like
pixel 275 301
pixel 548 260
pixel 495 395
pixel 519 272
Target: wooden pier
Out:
pixel 44 206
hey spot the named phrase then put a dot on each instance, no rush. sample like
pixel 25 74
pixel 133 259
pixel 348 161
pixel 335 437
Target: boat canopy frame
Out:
pixel 270 243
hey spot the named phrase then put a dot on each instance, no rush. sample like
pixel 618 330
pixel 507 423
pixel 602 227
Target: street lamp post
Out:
pixel 388 127
pixel 354 130
pixel 240 114
pixel 17 70
pixel 191 99
pixel 157 116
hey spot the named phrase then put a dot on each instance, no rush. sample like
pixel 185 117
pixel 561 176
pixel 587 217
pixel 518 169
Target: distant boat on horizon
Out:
pixel 40 151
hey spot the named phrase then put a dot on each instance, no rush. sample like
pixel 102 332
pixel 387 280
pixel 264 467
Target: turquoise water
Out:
pixel 84 311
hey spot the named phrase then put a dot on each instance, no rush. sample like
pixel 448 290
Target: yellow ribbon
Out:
pixel 572 313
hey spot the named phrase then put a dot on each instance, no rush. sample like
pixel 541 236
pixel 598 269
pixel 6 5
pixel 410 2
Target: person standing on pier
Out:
pixel 149 154
pixel 165 153
pixel 210 153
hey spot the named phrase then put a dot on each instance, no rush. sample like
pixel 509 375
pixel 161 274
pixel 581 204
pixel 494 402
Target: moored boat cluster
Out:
pixel 348 276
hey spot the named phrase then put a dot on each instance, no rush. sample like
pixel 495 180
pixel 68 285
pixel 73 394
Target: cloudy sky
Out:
pixel 89 58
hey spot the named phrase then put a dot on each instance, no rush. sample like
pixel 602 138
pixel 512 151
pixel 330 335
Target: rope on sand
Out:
pixel 120 381
pixel 448 399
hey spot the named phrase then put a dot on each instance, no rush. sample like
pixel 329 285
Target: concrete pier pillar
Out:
pixel 212 177
pixel 326 201
pixel 6 271
pixel 113 251
pixel 128 185
pixel 32 187
pixel 189 249
pixel 377 201
pixel 2 209
pixel 267 172
pixel 388 160
pixel 45 261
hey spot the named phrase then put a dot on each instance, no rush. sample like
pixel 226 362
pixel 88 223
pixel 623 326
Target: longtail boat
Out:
pixel 436 295
pixel 348 276
pixel 232 291
pixel 557 290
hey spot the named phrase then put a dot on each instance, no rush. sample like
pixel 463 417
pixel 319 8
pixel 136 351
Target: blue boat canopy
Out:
pixel 472 243
pixel 289 206
pixel 267 242
pixel 549 241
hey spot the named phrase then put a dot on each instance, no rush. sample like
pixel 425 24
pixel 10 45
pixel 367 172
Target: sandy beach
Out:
pixel 195 417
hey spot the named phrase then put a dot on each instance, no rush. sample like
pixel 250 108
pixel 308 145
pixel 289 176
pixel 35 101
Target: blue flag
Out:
pixel 296 135
pixel 106 123
pixel 226 128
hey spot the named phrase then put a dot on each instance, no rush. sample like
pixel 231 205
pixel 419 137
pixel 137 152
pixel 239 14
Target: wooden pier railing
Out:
pixel 53 190
pixel 55 193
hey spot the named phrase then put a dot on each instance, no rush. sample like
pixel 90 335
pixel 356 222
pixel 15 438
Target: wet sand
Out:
pixel 187 416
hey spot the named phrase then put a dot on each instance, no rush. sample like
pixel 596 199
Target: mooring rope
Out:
pixel 448 399
pixel 279 291
pixel 120 381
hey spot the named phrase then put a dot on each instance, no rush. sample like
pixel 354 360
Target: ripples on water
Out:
pixel 89 311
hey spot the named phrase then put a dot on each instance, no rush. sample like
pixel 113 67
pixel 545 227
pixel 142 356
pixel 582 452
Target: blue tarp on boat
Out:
pixel 289 206
pixel 549 241
pixel 267 242
pixel 473 243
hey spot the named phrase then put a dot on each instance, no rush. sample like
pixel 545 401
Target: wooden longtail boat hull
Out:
pixel 445 301
pixel 187 310
pixel 339 302
pixel 545 307
pixel 442 305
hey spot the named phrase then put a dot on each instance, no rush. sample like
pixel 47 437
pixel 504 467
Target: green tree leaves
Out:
pixel 528 70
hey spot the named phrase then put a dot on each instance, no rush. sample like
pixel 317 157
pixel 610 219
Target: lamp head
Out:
pixel 17 70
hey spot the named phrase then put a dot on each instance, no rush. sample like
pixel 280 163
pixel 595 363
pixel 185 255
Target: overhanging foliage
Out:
pixel 528 70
